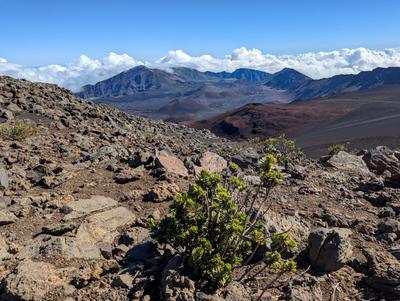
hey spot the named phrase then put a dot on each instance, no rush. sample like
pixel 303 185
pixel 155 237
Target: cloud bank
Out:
pixel 314 64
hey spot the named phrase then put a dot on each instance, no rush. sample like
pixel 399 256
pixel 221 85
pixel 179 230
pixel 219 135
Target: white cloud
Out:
pixel 74 75
pixel 314 64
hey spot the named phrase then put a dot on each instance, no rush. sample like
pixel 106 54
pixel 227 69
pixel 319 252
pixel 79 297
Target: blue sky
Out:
pixel 41 32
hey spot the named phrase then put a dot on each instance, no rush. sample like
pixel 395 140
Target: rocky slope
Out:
pixel 76 191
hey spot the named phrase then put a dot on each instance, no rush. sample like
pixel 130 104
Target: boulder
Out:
pixel 211 162
pixel 235 291
pixel 126 176
pixel 170 163
pixel 383 161
pixel 161 192
pixel 389 225
pixel 329 249
pixel 34 280
pixel 86 206
pixel 3 178
pixel 94 235
pixel 383 273
pixel 6 217
pixel 134 235
pixel 246 158
pixel 6 114
pixel 86 273
pixel 346 161
pixel 140 157
pixel 3 249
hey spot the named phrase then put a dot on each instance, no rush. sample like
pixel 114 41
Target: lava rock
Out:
pixel 329 249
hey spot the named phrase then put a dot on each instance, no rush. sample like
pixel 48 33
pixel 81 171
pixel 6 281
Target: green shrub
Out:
pixel 285 150
pixel 216 227
pixel 95 114
pixel 336 148
pixel 20 130
pixel 223 153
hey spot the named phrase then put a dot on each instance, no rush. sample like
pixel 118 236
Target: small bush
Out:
pixel 285 150
pixel 223 153
pixel 216 227
pixel 336 148
pixel 95 114
pixel 20 130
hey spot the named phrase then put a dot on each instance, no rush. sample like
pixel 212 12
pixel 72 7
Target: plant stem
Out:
pixel 269 285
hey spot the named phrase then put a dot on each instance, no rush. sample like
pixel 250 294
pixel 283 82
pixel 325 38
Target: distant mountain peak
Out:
pixel 139 68
pixel 292 72
pixel 288 79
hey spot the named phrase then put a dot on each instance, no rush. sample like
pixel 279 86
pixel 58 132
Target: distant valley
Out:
pixel 184 94
pixel 363 108
pixel 362 118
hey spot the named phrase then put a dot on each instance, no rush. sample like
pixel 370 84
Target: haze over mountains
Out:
pixel 183 93
pixel 187 94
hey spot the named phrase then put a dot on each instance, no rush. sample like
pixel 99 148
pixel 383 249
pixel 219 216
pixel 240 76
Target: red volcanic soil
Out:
pixel 265 120
pixel 365 119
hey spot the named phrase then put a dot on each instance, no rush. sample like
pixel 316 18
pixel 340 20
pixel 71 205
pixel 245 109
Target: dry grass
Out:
pixel 18 131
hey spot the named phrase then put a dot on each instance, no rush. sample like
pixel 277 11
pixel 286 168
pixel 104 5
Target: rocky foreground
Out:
pixel 78 183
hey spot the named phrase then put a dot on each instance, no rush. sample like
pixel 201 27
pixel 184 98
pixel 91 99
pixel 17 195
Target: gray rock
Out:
pixel 93 235
pixel 383 161
pixel 6 114
pixel 86 206
pixel 33 280
pixel 211 162
pixel 107 152
pixel 6 217
pixel 59 229
pixel 3 178
pixel 346 161
pixel 235 291
pixel 252 180
pixel 134 235
pixel 161 192
pixel 389 225
pixel 124 280
pixel 246 159
pixel 126 176
pixel 329 249
pixel 139 158
pixel 174 285
pixel 170 163
pixel 384 273
pixel 3 249
pixel 305 288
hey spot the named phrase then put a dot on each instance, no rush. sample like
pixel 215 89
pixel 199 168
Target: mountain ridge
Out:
pixel 146 91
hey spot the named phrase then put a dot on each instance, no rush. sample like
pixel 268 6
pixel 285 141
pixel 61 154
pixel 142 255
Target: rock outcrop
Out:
pixel 330 249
